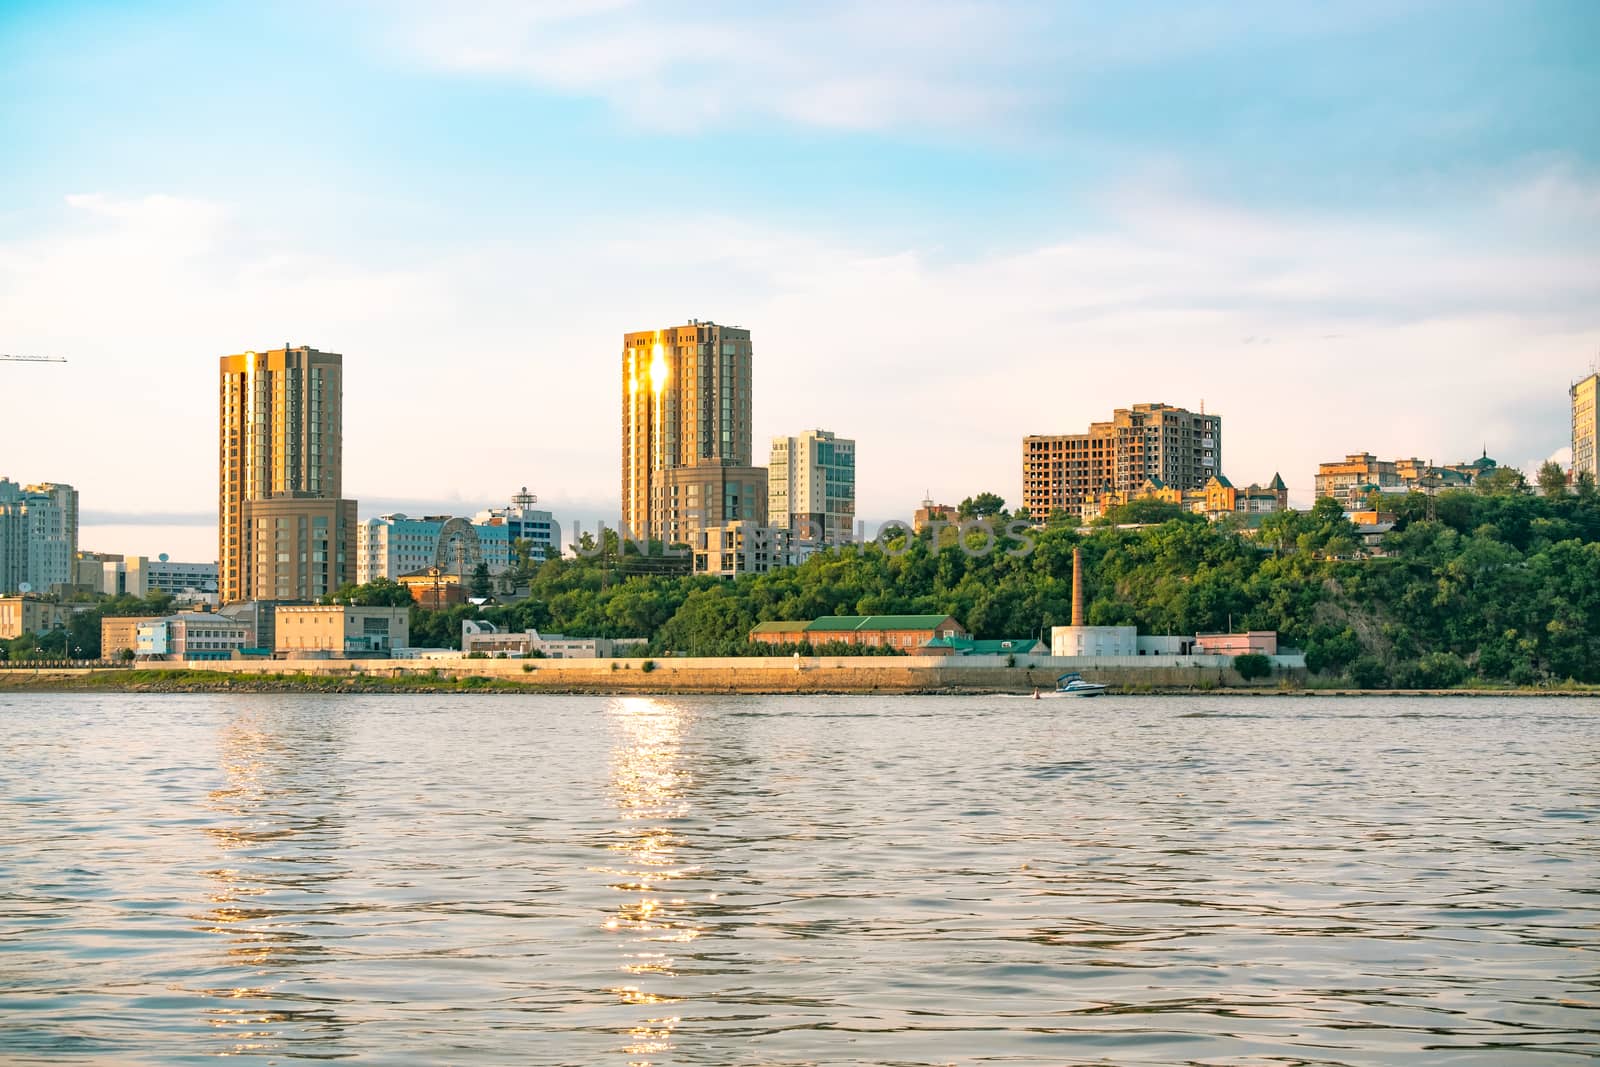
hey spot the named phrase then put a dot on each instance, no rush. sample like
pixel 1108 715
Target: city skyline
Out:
pixel 470 206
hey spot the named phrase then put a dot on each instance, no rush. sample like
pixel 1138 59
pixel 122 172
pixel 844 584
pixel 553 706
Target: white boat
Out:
pixel 1072 684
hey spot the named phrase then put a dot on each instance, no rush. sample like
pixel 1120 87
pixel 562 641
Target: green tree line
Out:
pixel 1501 586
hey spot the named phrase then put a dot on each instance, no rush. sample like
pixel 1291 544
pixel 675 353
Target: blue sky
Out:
pixel 1343 227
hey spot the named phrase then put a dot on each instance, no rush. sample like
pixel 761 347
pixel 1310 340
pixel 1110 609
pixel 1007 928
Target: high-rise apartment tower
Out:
pixel 686 402
pixel 284 532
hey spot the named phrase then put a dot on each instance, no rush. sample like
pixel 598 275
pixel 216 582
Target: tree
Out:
pixel 982 506
pixel 480 580
pixel 1585 485
pixel 1552 479
pixel 522 554
pixel 380 592
pixel 1502 481
pixel 1143 511
pixel 1252 665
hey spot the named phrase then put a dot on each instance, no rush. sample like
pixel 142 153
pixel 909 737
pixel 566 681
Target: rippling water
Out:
pixel 532 879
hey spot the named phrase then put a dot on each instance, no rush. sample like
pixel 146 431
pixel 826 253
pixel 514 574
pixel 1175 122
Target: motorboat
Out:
pixel 1072 684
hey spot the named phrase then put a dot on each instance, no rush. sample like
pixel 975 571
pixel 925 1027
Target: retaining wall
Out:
pixel 786 675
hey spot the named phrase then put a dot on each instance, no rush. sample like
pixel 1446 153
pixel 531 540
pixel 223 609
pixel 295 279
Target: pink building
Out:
pixel 1264 642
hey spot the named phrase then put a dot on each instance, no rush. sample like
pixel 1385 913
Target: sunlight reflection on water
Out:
pixel 529 879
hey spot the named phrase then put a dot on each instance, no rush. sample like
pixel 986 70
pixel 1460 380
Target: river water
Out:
pixel 508 879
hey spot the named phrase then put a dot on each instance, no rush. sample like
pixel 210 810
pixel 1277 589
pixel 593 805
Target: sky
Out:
pixel 1341 227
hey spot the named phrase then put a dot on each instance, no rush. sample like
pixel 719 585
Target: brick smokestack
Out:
pixel 1077 587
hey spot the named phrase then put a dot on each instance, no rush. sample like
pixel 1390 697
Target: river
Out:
pixel 528 879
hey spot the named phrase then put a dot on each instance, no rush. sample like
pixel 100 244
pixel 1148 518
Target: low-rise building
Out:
pixel 1221 499
pixel 1261 642
pixel 971 646
pixel 1352 480
pixel 120 633
pixel 434 588
pixel 1094 641
pixel 930 512
pixel 189 635
pixel 1218 499
pixel 260 619
pixel 29 615
pixel 340 631
pixel 478 635
pixel 904 632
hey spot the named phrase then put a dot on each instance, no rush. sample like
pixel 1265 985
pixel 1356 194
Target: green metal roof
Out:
pixel 1277 482
pixel 970 646
pixel 1222 480
pixel 781 627
pixel 857 623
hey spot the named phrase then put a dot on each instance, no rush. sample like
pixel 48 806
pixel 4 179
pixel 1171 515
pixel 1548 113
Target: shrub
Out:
pixel 1252 665
pixel 1368 672
pixel 648 665
pixel 1011 659
pixel 1442 670
pixel 527 668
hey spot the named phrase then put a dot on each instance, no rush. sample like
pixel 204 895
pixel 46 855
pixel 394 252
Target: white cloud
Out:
pixel 493 364
pixel 942 64
pixel 831 63
pixel 1559 192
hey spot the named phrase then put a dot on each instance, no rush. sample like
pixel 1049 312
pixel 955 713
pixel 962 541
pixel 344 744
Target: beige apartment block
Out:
pixel 27 615
pixel 811 486
pixel 1178 447
pixel 340 631
pixel 283 531
pixel 119 633
pixel 710 497
pixel 1586 427
pixel 686 402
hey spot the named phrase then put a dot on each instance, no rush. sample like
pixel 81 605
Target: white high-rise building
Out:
pixel 811 487
pixel 499 529
pixel 393 545
pixel 38 536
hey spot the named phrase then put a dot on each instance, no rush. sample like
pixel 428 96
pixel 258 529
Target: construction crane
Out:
pixel 33 359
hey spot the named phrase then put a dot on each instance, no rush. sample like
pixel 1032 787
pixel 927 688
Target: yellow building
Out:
pixel 1222 499
pixel 686 402
pixel 1218 499
pixel 1360 474
pixel 121 632
pixel 340 631
pixel 283 533
pixel 1586 427
pixel 28 615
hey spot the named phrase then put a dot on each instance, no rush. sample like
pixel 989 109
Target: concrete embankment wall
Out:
pixel 786 675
